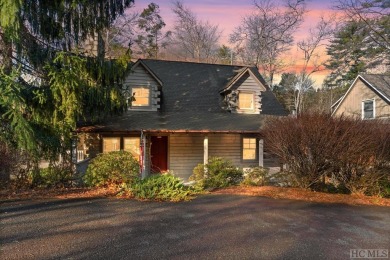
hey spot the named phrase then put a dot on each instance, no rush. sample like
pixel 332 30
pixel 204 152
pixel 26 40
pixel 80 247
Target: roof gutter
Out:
pixel 169 131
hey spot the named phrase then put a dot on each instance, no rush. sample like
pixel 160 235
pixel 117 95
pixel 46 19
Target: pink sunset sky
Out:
pixel 228 14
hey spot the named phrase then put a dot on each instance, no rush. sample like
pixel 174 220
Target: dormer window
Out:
pixel 246 100
pixel 140 97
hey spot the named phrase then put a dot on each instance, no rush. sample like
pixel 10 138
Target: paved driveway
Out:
pixel 210 227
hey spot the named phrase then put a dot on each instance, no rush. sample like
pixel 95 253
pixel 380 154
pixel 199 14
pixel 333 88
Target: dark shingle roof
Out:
pixel 191 101
pixel 135 121
pixel 381 84
pixel 190 86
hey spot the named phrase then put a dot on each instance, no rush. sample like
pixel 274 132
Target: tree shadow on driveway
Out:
pixel 211 226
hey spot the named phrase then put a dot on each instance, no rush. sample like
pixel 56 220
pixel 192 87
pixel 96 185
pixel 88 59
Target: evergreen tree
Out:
pixel 225 55
pixel 362 43
pixel 351 52
pixel 150 23
pixel 47 82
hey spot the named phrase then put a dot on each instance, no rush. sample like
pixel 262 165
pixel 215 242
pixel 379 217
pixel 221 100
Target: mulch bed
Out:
pixel 265 191
pixel 56 193
pixel 304 195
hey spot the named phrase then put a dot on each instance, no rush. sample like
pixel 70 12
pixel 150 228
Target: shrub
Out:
pixel 314 146
pixel 9 160
pixel 384 188
pixel 218 173
pixel 256 176
pixel 112 168
pixel 163 187
pixel 52 177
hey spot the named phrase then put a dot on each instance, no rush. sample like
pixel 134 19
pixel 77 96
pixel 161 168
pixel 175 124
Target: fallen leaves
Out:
pixel 304 195
pixel 264 191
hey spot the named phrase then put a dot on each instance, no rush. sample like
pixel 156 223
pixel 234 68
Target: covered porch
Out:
pixel 175 151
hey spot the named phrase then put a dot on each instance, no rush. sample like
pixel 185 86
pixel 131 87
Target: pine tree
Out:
pixel 150 23
pixel 47 83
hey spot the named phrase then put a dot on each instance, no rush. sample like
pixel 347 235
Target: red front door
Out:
pixel 159 153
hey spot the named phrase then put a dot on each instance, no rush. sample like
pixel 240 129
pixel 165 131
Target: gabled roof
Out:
pixel 141 63
pixel 253 72
pixel 191 101
pixel 190 86
pixel 378 83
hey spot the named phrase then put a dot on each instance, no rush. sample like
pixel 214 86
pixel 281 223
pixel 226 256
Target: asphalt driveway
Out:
pixel 210 227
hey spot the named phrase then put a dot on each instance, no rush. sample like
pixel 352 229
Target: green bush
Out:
pixel 162 187
pixel 256 176
pixel 51 177
pixel 218 173
pixel 112 168
pixel 384 188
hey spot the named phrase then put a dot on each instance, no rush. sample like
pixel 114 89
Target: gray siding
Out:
pixel 248 84
pixel 141 77
pixel 185 152
pixel 227 146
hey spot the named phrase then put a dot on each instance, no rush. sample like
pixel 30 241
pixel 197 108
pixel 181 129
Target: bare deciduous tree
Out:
pixel 264 36
pixel 315 146
pixel 121 34
pixel 195 39
pixel 311 58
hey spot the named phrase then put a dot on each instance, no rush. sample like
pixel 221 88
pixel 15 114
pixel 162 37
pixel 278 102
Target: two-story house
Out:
pixel 368 97
pixel 182 113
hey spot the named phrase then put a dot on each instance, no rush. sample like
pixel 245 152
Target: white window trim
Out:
pixel 242 149
pixel 148 107
pixel 253 100
pixel 373 108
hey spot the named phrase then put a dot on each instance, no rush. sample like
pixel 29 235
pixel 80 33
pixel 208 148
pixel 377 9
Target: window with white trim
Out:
pixel 131 144
pixel 140 97
pixel 111 144
pixel 368 109
pixel 245 100
pixel 249 146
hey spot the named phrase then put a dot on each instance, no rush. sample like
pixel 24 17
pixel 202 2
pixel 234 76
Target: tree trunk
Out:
pixel 5 52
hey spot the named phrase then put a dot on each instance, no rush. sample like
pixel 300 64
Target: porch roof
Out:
pixel 136 121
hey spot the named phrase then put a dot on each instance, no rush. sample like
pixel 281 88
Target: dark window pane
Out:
pixel 368 109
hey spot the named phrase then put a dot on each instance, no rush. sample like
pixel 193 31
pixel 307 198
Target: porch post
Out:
pixel 205 150
pixel 143 170
pixel 261 153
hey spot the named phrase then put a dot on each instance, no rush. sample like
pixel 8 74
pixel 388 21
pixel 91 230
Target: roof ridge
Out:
pixel 202 63
pixel 373 74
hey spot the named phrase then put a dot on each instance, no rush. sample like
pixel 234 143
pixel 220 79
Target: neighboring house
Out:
pixel 182 113
pixel 367 98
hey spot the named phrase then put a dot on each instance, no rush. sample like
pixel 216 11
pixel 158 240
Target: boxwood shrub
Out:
pixel 112 168
pixel 218 173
